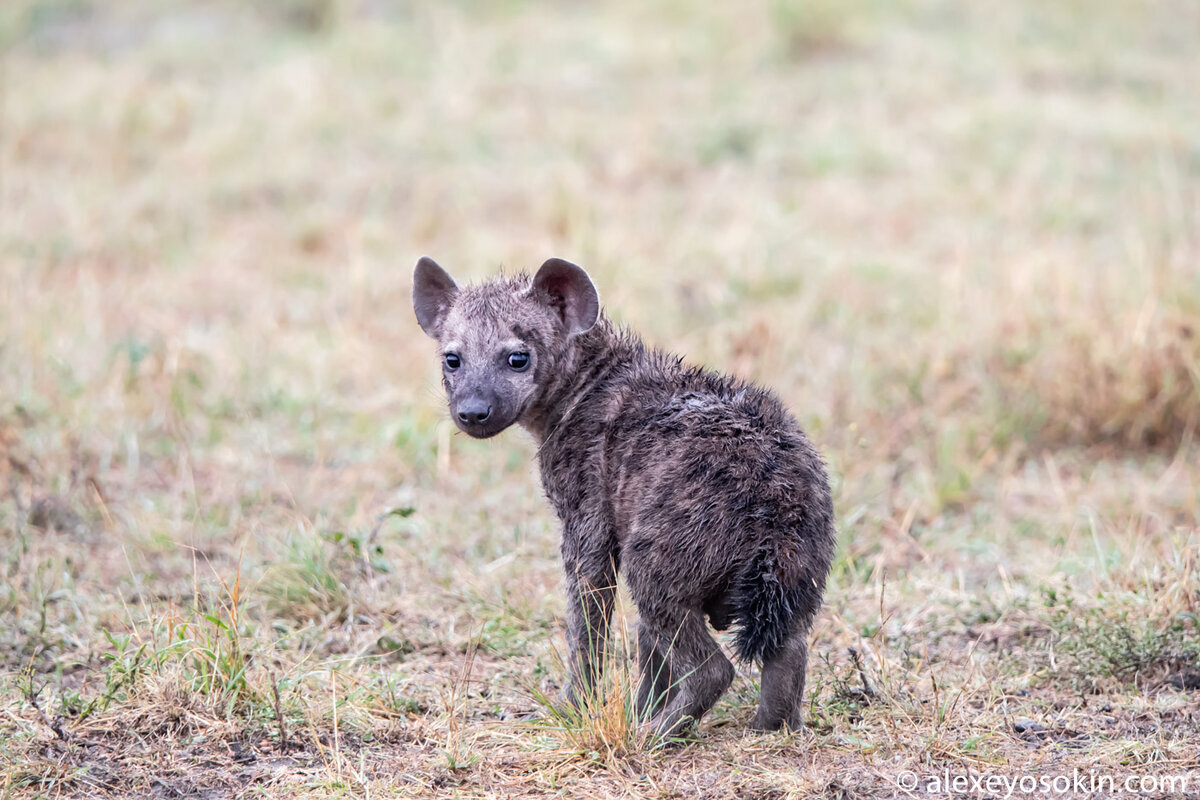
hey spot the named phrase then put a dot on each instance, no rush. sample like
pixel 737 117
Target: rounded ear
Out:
pixel 433 294
pixel 571 292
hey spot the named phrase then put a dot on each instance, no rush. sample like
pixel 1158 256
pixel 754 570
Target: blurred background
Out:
pixel 961 240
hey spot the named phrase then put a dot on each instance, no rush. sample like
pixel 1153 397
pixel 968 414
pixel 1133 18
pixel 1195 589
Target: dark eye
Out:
pixel 452 361
pixel 518 361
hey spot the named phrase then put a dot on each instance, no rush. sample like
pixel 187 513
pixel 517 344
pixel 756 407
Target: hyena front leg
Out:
pixel 655 685
pixel 589 610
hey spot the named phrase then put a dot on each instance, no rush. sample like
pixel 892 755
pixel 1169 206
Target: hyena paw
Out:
pixel 667 727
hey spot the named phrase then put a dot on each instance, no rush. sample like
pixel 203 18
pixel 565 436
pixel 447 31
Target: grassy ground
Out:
pixel 243 551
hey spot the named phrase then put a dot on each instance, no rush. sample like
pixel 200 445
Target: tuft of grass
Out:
pixel 302 16
pixel 1130 379
pixel 808 28
pixel 605 725
pixel 456 742
pixel 309 582
pixel 1139 630
pixel 174 662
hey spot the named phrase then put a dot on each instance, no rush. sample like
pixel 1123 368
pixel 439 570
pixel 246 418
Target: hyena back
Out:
pixel 701 489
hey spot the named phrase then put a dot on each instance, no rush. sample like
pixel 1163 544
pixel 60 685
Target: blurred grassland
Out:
pixel 961 240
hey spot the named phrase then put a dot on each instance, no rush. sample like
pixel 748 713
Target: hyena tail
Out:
pixel 771 597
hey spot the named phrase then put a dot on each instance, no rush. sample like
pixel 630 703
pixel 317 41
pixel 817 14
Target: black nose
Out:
pixel 474 414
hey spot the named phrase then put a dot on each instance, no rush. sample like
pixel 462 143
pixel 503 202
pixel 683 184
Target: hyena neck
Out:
pixel 585 371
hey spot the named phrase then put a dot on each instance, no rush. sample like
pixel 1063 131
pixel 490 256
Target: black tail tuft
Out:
pixel 765 608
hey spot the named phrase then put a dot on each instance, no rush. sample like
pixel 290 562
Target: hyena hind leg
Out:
pixel 782 698
pixel 700 671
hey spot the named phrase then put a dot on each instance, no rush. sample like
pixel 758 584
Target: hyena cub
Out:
pixel 702 488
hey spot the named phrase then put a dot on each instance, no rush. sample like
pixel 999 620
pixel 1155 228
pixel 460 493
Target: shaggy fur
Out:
pixel 701 489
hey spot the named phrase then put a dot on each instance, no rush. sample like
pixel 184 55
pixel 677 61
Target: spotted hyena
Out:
pixel 700 488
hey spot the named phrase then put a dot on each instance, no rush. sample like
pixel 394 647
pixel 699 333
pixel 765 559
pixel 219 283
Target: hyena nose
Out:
pixel 475 413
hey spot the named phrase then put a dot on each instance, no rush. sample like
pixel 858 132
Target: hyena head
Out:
pixel 503 340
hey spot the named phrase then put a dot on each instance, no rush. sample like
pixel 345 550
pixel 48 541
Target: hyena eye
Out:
pixel 452 361
pixel 518 361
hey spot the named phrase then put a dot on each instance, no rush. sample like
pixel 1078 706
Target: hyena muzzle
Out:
pixel 701 489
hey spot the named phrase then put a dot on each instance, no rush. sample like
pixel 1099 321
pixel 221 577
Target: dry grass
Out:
pixel 1132 380
pixel 243 552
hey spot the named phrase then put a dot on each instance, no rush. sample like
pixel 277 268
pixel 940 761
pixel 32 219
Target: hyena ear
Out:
pixel 571 293
pixel 433 294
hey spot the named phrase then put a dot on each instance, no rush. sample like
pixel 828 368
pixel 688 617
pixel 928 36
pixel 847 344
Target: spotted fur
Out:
pixel 699 488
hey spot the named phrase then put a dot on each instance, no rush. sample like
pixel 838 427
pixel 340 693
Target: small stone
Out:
pixel 1027 726
pixel 54 513
pixel 1184 681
